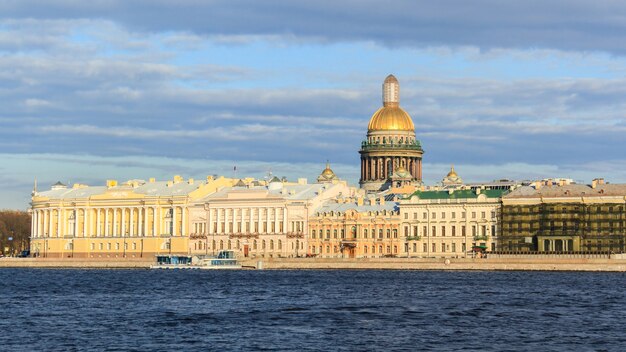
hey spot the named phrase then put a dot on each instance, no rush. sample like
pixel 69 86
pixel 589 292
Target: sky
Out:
pixel 97 90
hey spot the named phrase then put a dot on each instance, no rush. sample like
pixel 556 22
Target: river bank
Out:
pixel 527 264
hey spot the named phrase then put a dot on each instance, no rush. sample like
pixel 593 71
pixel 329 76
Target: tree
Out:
pixel 14 224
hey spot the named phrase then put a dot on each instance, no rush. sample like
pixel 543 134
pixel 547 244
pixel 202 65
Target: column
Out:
pixel 234 220
pixel 46 222
pixel 32 223
pixel 76 222
pixel 154 221
pixel 84 222
pixel 209 217
pixel 251 220
pixel 242 221
pixel 285 222
pixel 217 220
pixel 123 231
pixel 173 220
pixel 98 227
pixel 225 229
pixel 58 229
pixel 115 226
pixel 106 222
pixel 182 221
pixel 131 222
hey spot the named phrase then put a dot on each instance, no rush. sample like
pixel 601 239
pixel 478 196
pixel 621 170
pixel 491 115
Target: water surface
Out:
pixel 44 309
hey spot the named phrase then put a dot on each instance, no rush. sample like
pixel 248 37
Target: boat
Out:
pixel 223 260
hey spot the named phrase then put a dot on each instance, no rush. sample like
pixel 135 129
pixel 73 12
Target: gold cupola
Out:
pixel 391 117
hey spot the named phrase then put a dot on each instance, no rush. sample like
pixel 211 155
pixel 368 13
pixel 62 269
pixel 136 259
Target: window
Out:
pixel 365 250
pixel 434 215
pixel 443 230
pixel 406 231
pixel 453 247
pixel 463 215
pixel 473 230
pixel 463 230
pixel 388 233
pixel 365 233
pixel 313 234
pixel 443 248
pixel 415 216
pixel 424 231
pixel 395 233
pixel 424 216
pixel 414 247
pixel 453 215
pixel 406 215
pixel 334 233
pixel 483 215
pixel 473 215
pixel 434 231
pixel 415 231
pixel 425 248
pixel 443 215
pixel 453 230
pixel 434 247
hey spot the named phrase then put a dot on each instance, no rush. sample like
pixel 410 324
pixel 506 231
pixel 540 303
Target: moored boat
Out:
pixel 223 260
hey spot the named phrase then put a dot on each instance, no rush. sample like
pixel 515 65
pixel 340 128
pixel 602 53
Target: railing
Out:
pixel 481 238
pixel 535 254
pixel 413 238
pixel 411 146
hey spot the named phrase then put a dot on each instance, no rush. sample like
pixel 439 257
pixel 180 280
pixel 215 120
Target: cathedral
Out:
pixel 391 155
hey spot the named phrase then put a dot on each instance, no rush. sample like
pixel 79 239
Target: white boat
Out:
pixel 223 260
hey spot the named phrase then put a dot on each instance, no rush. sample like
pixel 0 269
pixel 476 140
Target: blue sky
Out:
pixel 91 91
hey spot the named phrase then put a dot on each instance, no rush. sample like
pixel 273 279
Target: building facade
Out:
pixel 355 227
pixel 450 223
pixel 134 220
pixel 564 218
pixel 260 221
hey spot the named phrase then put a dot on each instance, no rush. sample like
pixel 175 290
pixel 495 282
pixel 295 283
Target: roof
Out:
pixel 290 192
pixel 342 207
pixel 572 190
pixel 155 189
pixel 458 194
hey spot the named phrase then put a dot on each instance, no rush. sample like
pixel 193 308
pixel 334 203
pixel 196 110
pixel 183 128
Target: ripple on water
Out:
pixel 57 310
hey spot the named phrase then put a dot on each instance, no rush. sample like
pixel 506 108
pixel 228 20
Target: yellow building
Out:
pixel 133 220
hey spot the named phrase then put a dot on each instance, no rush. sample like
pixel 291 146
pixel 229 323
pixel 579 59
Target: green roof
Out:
pixel 458 194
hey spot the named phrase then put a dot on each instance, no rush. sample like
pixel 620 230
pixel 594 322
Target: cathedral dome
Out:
pixel 391 117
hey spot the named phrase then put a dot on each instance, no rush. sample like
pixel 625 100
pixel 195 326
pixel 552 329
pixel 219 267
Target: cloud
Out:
pixel 562 24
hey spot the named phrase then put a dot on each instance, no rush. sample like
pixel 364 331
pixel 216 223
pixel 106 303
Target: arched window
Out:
pixel 365 233
pixel 313 234
pixel 221 244
pixel 365 249
pixel 380 249
pixel 272 245
pixel 388 233
pixel 263 245
pixel 229 244
pixel 280 245
pixel 254 245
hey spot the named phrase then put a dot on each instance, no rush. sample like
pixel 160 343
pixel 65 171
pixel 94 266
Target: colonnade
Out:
pixel 223 220
pixel 374 168
pixel 108 221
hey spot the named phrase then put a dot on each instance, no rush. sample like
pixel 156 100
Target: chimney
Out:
pixel 597 182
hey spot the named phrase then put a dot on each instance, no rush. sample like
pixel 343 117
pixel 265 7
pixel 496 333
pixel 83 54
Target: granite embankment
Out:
pixel 547 264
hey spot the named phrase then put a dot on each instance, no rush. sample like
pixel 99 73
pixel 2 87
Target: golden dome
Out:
pixel 452 173
pixel 327 174
pixel 392 118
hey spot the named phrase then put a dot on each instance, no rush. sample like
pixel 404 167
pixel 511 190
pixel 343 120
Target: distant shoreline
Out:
pixel 464 264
